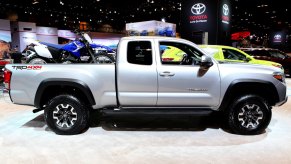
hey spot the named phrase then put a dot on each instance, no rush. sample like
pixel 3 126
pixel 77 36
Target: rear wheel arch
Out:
pixel 53 87
pixel 239 88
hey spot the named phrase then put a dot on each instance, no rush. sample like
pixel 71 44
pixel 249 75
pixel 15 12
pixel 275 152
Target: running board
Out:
pixel 156 112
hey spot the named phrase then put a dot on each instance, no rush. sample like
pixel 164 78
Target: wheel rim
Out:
pixel 103 59
pixel 65 116
pixel 250 116
pixel 67 62
pixel 37 61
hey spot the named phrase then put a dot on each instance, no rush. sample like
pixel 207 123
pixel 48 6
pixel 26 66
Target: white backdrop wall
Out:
pixel 47 34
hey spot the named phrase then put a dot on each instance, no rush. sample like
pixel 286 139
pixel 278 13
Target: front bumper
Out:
pixel 282 102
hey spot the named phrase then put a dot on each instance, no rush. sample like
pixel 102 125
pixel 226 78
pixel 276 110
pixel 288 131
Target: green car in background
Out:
pixel 232 54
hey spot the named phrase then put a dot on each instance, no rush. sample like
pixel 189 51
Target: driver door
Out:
pixel 185 84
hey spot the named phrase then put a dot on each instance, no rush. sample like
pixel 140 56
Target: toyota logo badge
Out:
pixel 225 9
pixel 277 37
pixel 198 8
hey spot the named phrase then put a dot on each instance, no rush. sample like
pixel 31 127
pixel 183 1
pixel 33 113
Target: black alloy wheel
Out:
pixel 66 115
pixel 249 115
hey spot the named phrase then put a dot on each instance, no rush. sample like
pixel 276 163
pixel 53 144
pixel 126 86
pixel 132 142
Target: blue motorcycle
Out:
pixel 81 50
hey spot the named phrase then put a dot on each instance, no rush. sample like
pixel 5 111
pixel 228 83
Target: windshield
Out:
pixel 87 37
pixel 210 51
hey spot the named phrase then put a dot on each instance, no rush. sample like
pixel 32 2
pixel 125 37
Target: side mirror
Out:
pixel 206 62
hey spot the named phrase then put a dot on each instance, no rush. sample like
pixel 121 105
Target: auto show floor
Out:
pixel 24 138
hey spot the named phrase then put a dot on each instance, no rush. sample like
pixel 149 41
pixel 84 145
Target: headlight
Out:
pixel 279 76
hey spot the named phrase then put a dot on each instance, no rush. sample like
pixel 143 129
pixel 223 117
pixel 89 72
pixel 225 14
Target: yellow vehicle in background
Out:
pixel 232 54
pixel 219 52
pixel 171 54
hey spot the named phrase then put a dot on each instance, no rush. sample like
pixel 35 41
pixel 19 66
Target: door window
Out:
pixel 179 54
pixel 233 55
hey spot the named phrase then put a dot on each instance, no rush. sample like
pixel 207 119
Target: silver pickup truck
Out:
pixel 143 79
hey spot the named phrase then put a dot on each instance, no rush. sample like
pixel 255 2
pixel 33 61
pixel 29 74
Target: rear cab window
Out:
pixel 139 52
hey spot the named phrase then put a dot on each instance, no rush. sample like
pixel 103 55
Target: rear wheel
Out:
pixel 103 58
pixel 249 115
pixel 36 60
pixel 66 115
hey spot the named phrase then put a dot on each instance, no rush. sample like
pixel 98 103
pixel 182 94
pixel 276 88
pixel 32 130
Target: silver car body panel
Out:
pixel 142 85
pixel 99 78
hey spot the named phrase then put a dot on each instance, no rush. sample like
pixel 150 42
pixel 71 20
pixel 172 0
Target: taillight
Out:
pixel 7 78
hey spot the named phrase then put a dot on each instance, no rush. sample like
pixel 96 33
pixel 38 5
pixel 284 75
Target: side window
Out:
pixel 139 52
pixel 249 52
pixel 261 53
pixel 233 55
pixel 214 52
pixel 277 54
pixel 179 54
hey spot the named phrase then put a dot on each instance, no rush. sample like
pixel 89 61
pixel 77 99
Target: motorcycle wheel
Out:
pixel 67 62
pixel 103 58
pixel 36 60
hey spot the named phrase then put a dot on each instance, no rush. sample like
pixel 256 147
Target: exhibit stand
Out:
pixel 47 34
pixel 5 37
pixel 23 33
pixel 151 28
pixel 206 21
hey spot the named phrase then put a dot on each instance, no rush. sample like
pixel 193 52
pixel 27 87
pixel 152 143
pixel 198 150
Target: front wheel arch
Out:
pixel 248 86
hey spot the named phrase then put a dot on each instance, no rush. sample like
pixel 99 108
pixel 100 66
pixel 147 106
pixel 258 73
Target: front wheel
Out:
pixel 66 115
pixel 103 58
pixel 35 59
pixel 249 115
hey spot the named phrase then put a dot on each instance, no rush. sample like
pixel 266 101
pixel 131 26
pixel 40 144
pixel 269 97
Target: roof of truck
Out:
pixel 156 37
pixel 152 37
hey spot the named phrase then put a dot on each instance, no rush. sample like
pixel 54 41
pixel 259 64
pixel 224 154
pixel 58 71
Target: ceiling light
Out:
pixel 35 2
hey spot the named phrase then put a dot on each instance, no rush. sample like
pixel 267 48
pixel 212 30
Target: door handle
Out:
pixel 167 74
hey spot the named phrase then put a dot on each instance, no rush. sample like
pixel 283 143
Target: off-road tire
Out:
pixel 78 111
pixel 33 58
pixel 240 121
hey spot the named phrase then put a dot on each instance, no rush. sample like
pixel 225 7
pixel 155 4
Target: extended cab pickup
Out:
pixel 142 80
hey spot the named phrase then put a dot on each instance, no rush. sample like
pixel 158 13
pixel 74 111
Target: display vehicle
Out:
pixel 231 54
pixel 271 54
pixel 80 50
pixel 140 82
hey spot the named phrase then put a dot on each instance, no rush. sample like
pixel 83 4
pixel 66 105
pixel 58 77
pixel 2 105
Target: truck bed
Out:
pixel 100 79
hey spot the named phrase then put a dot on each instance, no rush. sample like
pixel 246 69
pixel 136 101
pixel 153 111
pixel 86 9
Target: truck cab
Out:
pixel 164 83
